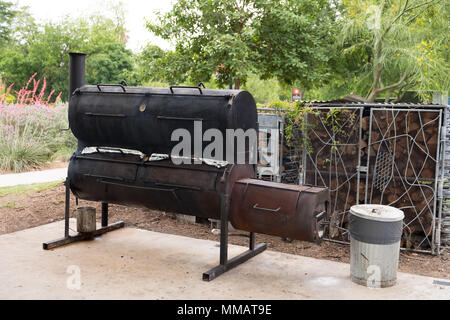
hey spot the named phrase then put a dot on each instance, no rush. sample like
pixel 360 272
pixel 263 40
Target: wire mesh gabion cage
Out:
pixel 379 154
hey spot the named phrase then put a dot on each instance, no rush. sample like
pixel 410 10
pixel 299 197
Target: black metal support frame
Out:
pixel 225 264
pixel 68 239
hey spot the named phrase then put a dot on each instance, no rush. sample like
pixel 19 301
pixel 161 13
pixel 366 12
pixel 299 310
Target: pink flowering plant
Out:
pixel 31 130
pixel 31 93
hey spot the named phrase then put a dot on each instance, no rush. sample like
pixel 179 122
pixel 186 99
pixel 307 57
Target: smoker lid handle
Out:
pixel 188 87
pixel 99 86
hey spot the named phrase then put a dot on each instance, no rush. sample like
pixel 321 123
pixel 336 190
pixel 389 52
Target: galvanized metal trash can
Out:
pixel 375 233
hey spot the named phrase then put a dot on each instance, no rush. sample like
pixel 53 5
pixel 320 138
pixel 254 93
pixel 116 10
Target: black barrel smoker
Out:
pixel 123 157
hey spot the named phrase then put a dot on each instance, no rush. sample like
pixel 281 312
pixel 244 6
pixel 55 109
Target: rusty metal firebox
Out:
pixel 124 136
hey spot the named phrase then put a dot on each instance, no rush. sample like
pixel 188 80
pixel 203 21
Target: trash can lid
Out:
pixel 377 212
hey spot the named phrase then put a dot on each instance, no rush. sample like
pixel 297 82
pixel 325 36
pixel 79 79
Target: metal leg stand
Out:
pixel 81 236
pixel 105 213
pixel 226 264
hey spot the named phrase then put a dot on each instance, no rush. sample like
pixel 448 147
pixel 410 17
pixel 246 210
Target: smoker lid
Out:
pixel 377 212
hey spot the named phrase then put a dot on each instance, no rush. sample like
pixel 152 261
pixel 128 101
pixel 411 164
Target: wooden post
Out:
pixel 86 220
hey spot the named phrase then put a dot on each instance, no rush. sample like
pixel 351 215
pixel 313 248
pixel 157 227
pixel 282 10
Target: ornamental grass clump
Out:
pixel 33 135
pixel 31 131
pixel 21 146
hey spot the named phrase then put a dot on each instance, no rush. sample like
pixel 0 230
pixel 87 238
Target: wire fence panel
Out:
pixel 397 155
pixel 403 158
pixel 332 159
pixel 378 156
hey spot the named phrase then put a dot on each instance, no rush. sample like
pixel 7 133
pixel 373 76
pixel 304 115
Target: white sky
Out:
pixel 136 13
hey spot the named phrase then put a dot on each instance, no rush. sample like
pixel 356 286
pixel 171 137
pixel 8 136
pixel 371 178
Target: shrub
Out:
pixel 20 149
pixel 31 129
pixel 31 135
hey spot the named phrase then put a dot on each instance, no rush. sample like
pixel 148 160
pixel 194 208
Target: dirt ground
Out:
pixel 19 212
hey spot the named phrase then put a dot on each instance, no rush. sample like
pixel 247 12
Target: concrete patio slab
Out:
pixel 137 264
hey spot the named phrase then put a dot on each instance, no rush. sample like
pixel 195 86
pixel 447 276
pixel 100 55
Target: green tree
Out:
pixel 266 90
pixel 147 64
pixel 233 39
pixel 44 50
pixel 108 59
pixel 292 39
pixel 13 68
pixel 7 14
pixel 395 45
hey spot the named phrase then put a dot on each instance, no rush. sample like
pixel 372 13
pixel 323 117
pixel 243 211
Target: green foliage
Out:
pixel 372 48
pixel 108 59
pixel 265 90
pixel 156 68
pixel 109 64
pixel 292 39
pixel 296 129
pixel 31 136
pixel 23 152
pixel 286 40
pixel 146 64
pixel 155 64
pixel 44 49
pixel 7 14
pixel 389 46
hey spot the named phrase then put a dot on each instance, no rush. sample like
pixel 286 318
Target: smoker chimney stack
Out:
pixel 77 73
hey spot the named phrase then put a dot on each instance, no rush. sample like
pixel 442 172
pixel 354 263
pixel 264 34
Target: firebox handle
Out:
pixel 111 85
pixel 188 87
pixel 265 209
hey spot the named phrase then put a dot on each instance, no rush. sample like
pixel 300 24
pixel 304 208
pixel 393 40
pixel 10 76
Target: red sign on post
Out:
pixel 297 95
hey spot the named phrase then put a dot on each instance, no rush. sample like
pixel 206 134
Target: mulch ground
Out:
pixel 24 211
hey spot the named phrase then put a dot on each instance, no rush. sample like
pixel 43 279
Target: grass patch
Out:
pixel 38 187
